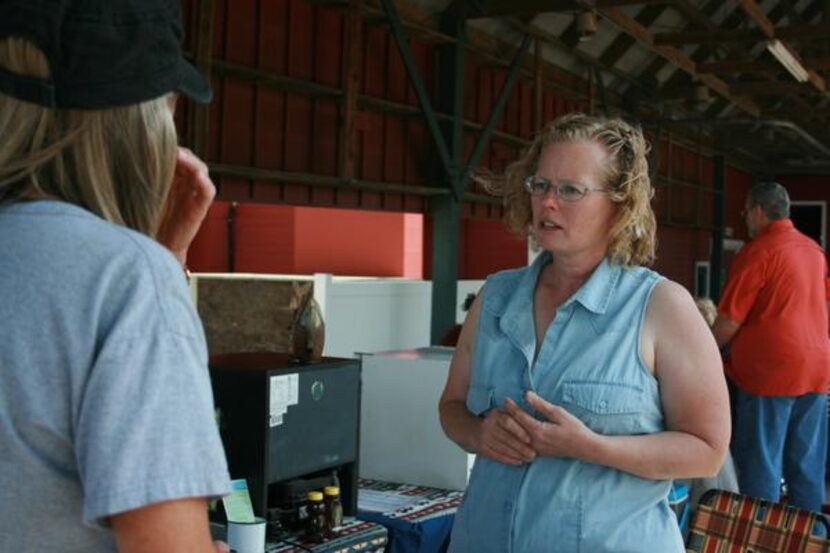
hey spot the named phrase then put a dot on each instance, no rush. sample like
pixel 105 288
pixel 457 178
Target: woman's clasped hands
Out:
pixel 513 436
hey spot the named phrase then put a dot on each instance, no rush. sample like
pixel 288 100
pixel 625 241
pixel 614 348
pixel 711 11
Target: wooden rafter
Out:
pixel 700 54
pixel 623 42
pixel 693 13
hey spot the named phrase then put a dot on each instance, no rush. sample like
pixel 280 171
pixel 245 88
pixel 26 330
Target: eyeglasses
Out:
pixel 565 191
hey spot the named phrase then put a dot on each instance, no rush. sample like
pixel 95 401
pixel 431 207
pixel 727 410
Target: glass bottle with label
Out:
pixel 315 522
pixel 334 510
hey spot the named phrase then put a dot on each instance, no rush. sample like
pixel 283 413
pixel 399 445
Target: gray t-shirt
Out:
pixel 105 398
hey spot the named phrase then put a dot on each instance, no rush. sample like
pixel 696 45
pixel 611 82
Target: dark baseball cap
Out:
pixel 101 53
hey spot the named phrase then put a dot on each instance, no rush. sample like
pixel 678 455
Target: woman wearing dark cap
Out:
pixel 578 380
pixel 106 414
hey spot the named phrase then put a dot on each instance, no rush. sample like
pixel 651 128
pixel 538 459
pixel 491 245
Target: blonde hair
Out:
pixel 707 309
pixel 117 163
pixel 633 236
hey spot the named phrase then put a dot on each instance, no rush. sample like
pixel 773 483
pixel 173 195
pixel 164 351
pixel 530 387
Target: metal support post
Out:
pixel 716 259
pixel 446 210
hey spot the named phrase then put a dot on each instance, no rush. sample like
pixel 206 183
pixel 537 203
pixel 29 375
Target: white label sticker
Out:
pixel 278 404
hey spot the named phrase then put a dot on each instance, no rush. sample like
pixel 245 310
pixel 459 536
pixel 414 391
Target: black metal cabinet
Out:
pixel 282 421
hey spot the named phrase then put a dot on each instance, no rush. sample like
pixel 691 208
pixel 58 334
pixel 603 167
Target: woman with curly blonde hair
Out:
pixel 576 380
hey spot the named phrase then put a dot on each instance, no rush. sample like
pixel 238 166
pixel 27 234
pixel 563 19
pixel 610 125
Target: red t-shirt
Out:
pixel 776 291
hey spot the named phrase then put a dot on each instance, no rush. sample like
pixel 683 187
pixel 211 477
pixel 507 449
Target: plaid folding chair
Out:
pixel 726 522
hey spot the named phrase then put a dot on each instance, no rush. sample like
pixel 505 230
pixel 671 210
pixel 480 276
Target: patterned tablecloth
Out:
pixel 355 536
pixel 421 527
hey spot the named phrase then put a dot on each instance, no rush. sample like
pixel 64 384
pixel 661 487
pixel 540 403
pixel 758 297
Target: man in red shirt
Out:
pixel 773 313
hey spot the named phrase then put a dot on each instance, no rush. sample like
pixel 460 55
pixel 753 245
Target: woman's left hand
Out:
pixel 562 435
pixel 188 201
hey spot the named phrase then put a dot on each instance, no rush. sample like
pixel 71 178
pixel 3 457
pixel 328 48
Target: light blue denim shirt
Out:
pixel 590 364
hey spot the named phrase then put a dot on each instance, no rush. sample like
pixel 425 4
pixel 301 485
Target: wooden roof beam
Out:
pixel 768 28
pixel 623 42
pixel 629 25
pixel 693 13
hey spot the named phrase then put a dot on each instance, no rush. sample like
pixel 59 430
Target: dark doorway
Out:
pixel 809 218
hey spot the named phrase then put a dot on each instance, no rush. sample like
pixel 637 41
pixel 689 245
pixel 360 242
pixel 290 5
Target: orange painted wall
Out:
pixel 302 240
pixel 351 242
pixel 413 246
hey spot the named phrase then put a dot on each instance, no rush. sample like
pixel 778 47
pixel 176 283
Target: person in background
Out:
pixel 725 479
pixel 773 315
pixel 578 380
pixel 708 309
pixel 106 413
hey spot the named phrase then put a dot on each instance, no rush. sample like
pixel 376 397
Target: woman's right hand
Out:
pixel 187 204
pixel 502 439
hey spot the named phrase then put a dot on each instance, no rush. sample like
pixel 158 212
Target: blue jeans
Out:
pixel 781 436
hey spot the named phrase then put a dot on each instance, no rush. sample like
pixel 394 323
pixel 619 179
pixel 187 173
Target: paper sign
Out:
pixel 279 400
pixel 284 392
pixel 237 505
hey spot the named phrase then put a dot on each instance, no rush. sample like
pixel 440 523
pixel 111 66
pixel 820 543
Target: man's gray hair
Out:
pixel 773 199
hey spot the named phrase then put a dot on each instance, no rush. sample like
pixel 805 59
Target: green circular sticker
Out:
pixel 317 390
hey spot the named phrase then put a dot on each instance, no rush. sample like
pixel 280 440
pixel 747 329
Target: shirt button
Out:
pixel 603 404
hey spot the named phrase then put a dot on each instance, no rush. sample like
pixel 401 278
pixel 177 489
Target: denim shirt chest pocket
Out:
pixel 605 407
pixel 479 399
pixel 482 398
